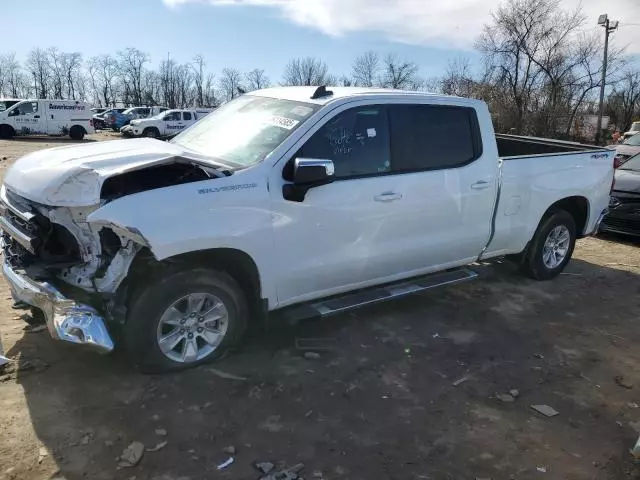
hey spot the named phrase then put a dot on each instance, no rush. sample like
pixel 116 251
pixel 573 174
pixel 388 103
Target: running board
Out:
pixel 349 301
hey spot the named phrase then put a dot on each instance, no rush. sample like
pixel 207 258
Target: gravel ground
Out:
pixel 413 389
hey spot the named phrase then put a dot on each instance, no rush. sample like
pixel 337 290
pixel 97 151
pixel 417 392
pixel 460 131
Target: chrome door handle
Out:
pixel 480 185
pixel 387 197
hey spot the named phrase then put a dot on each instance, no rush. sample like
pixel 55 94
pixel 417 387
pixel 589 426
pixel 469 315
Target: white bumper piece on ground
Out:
pixel 66 320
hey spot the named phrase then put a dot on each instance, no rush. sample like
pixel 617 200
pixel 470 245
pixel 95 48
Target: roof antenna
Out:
pixel 321 92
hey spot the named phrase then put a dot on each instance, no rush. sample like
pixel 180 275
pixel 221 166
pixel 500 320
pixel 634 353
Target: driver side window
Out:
pixel 27 108
pixel 356 140
pixel 172 117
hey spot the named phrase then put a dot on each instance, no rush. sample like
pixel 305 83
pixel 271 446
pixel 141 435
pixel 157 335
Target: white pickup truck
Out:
pixel 301 200
pixel 165 124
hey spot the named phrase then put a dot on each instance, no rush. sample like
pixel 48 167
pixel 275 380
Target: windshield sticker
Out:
pixel 300 111
pixel 283 122
pixel 241 186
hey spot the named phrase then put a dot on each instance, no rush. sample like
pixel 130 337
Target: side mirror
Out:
pixel 312 171
pixel 307 173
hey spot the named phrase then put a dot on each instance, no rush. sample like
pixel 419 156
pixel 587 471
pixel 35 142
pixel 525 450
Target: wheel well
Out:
pixel 577 207
pixel 235 262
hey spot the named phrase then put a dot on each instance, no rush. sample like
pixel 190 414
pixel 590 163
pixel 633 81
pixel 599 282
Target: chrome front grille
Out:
pixel 21 234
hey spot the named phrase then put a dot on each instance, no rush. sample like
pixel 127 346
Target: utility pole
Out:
pixel 609 26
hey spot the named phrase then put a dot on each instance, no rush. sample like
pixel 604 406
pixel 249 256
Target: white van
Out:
pixel 166 124
pixel 47 117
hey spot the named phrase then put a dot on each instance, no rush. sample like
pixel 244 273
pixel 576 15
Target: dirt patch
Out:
pixel 380 404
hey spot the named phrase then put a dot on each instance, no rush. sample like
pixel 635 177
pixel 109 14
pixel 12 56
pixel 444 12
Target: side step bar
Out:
pixel 349 301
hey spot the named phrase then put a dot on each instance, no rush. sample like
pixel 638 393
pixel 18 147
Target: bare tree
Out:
pixel 132 63
pixel 458 79
pixel 306 71
pixel 199 78
pixel 366 69
pixel 256 79
pixel 40 71
pixel 624 102
pixel 230 81
pixel 13 82
pixel 398 73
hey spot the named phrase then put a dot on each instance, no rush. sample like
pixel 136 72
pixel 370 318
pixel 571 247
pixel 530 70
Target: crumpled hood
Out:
pixel 72 176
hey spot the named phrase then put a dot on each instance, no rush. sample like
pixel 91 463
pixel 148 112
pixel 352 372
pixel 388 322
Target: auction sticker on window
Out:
pixel 278 121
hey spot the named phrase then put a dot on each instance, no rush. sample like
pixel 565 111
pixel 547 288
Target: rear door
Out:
pixel 172 123
pixel 189 119
pixel 443 188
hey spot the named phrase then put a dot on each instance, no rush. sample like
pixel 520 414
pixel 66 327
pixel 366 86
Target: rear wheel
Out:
pixel 551 247
pixel 184 319
pixel 76 132
pixel 151 132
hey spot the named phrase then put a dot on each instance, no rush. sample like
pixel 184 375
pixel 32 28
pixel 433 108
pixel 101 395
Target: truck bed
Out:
pixel 511 147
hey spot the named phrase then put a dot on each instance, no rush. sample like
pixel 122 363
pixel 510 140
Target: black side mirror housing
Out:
pixel 307 173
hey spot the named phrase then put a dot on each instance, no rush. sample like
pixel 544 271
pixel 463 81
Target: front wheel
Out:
pixel 76 133
pixel 551 247
pixel 151 132
pixel 184 319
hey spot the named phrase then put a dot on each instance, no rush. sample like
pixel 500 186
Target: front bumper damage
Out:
pixel 66 319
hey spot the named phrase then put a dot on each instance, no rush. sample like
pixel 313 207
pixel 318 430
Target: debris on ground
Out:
pixel 86 438
pixel 460 381
pixel 323 344
pixel 620 381
pixel 159 446
pixel 505 397
pixel 231 450
pixel 42 454
pixel 36 328
pixel 225 375
pixel 161 432
pixel 265 467
pixel 545 410
pixel 225 464
pixel 312 355
pixel 542 469
pixel 538 356
pixel 290 473
pixel 317 474
pixel 515 393
pixel 131 455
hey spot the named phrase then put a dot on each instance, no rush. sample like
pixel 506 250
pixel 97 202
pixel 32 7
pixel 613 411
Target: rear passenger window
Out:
pixel 356 140
pixel 427 137
pixel 186 115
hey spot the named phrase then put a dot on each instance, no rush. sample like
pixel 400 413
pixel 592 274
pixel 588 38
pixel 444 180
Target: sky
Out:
pixel 248 34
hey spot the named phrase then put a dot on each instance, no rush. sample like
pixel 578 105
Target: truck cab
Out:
pixel 47 117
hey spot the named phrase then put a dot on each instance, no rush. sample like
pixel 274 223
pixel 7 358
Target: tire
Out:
pixel 6 132
pixel 144 327
pixel 151 132
pixel 76 132
pixel 539 262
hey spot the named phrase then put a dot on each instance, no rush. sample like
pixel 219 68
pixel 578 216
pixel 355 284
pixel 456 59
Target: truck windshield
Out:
pixel 5 104
pixel 244 131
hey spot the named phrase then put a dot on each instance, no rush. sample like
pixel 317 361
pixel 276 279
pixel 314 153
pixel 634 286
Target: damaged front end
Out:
pixel 55 258
pixel 50 250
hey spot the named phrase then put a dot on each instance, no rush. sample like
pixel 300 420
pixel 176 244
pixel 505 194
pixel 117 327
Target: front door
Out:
pixel 328 242
pixel 28 118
